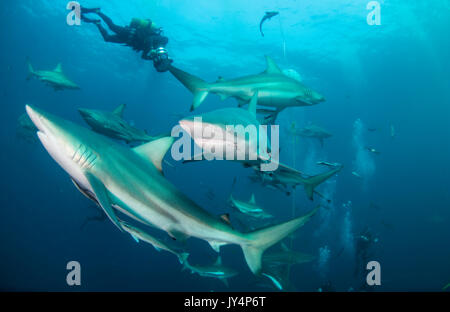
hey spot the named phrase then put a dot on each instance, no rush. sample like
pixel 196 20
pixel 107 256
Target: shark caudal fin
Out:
pixel 197 86
pixel 258 241
pixel 312 182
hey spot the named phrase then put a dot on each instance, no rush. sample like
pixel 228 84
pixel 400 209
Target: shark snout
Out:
pixel 84 112
pixel 318 98
pixel 36 117
pixel 187 125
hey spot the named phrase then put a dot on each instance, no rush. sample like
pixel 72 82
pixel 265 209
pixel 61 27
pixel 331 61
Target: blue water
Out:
pixel 396 73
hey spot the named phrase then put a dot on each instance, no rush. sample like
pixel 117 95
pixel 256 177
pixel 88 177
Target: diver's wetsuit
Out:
pixel 139 39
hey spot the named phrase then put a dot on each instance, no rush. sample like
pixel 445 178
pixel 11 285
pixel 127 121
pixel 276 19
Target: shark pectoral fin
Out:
pixel 119 110
pixel 199 97
pixel 155 150
pixel 215 245
pixel 102 198
pixel 225 281
pixel 253 104
pixel 272 67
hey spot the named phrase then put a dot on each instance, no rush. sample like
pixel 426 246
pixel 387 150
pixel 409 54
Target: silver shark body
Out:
pixel 312 131
pixel 113 125
pixel 274 88
pixel 216 270
pixel 53 78
pixel 250 208
pixel 131 181
pixel 140 235
pixel 213 133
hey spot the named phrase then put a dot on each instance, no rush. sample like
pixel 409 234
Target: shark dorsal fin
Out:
pixel 218 261
pixel 155 150
pixel 119 110
pixel 272 67
pixel 58 68
pixel 252 199
pixel 253 104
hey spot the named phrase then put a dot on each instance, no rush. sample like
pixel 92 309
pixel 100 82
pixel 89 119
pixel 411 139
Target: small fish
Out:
pixel 267 16
pixel 328 164
pixel 356 174
pixel 392 130
pixel 372 150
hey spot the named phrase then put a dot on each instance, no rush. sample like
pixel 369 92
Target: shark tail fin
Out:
pixel 312 182
pixel 197 86
pixel 258 241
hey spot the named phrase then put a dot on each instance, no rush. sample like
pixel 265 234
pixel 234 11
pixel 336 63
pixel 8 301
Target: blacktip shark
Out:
pixel 131 181
pixel 289 176
pixel 216 270
pixel 275 88
pixel 249 208
pixel 113 125
pixel 53 78
pixel 286 257
pixel 266 17
pixel 277 264
pixel 139 235
pixel 217 134
pixel 312 131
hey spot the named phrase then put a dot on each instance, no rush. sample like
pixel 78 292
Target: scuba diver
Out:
pixel 364 252
pixel 142 35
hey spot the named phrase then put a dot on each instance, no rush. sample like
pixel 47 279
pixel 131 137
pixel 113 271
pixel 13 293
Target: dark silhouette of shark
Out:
pixel 266 17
